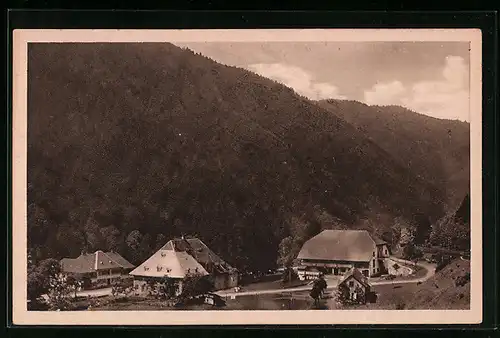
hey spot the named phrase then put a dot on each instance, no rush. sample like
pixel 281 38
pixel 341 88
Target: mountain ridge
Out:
pixel 141 142
pixel 435 149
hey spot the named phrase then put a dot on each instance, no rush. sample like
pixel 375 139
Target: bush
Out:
pixel 164 289
pixel 411 252
pixel 342 296
pixel 442 261
pixel 400 305
pixel 462 280
pixel 195 285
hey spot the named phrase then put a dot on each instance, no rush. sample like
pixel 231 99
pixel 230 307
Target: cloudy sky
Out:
pixel 431 78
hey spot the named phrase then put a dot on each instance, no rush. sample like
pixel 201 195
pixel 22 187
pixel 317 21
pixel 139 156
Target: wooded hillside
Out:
pixel 435 149
pixel 131 144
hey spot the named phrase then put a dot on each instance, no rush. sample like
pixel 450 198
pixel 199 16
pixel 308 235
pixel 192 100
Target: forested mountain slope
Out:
pixel 435 149
pixel 131 144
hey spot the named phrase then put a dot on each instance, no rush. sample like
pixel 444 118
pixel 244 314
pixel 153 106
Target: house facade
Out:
pixel 338 251
pixel 355 286
pixel 180 258
pixel 98 268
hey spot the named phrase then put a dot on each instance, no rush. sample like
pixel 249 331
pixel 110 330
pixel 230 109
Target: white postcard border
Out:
pixel 21 316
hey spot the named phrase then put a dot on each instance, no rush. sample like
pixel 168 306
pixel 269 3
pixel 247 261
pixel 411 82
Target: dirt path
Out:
pixel 332 283
pixel 429 268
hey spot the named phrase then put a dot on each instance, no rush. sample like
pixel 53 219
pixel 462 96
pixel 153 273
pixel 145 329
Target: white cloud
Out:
pixel 447 98
pixel 383 94
pixel 297 79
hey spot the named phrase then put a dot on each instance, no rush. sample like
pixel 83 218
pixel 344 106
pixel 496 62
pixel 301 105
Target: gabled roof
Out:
pixel 180 257
pixel 98 260
pixel 207 257
pixel 339 245
pixel 378 240
pixel 169 263
pixel 357 275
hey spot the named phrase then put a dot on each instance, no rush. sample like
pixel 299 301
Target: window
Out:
pixel 373 253
pixel 373 263
pixel 351 283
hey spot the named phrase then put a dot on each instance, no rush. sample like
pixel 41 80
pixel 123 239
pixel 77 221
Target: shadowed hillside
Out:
pixel 434 149
pixel 453 230
pixel 130 144
pixel 449 289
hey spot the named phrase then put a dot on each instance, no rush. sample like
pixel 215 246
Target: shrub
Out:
pixel 411 252
pixel 341 296
pixel 462 280
pixel 400 305
pixel 442 262
pixel 60 293
pixel 195 285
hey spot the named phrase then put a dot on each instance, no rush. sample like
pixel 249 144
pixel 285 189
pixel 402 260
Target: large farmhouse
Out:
pixel 98 268
pixel 338 251
pixel 182 257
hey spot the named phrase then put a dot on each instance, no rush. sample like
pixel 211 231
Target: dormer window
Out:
pixel 146 268
pixel 163 254
pixel 158 268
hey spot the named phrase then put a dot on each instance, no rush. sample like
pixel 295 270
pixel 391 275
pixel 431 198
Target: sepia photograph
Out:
pixel 286 176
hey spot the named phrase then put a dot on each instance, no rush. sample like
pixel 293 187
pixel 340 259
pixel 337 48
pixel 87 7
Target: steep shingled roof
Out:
pixel 98 260
pixel 357 275
pixel 180 257
pixel 378 240
pixel 339 245
pixel 169 263
pixel 206 257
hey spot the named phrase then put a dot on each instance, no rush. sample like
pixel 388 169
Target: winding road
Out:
pixel 332 283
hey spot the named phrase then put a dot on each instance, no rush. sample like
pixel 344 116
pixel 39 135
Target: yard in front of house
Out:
pixel 283 301
pixel 388 297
